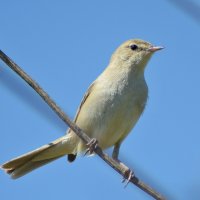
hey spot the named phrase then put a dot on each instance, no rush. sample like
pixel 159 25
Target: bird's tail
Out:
pixel 24 164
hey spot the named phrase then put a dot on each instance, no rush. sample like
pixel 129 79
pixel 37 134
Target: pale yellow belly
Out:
pixel 109 120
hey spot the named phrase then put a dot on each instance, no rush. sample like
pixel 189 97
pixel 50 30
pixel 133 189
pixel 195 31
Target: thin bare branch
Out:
pixel 119 167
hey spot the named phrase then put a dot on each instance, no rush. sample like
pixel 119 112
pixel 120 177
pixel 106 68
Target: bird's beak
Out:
pixel 155 48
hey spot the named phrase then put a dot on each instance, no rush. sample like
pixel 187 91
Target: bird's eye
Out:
pixel 133 46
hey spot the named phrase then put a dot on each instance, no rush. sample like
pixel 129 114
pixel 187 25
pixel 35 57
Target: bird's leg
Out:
pixel 115 153
pixel 129 174
pixel 91 146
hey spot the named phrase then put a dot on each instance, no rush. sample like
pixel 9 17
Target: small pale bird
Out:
pixel 109 110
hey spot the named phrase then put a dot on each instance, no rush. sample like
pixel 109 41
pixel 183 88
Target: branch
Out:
pixel 119 167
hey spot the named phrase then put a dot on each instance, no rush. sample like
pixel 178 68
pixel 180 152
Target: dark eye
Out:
pixel 133 46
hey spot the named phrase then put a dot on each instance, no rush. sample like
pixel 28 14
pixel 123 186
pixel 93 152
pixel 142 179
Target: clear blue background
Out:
pixel 64 46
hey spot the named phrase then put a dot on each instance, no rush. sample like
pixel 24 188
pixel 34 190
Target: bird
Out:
pixel 108 111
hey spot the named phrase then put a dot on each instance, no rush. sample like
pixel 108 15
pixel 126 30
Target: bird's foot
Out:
pixel 128 175
pixel 92 145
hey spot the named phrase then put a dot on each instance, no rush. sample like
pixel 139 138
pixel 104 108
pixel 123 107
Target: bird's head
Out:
pixel 134 52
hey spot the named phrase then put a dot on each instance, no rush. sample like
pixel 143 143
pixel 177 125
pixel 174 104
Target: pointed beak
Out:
pixel 155 48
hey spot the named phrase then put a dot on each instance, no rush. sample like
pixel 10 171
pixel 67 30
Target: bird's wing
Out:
pixel 72 157
pixel 87 94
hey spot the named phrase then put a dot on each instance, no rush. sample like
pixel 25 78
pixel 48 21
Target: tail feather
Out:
pixel 18 161
pixel 28 167
pixel 26 163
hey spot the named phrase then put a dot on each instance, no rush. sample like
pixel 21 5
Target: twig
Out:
pixel 119 167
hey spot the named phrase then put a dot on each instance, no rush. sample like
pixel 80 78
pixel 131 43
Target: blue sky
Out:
pixel 64 46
